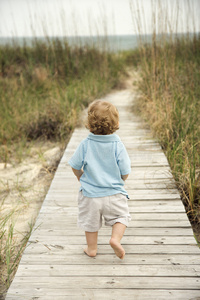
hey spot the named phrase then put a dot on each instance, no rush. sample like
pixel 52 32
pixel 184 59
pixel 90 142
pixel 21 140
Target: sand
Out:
pixel 23 186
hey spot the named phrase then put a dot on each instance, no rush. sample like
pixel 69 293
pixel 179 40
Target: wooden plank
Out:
pixel 102 240
pixel 142 206
pixel 70 184
pixel 110 282
pixel 108 270
pixel 96 294
pixel 71 222
pixel 105 231
pixel 135 164
pixel 61 216
pixel 109 259
pixel 70 211
pixel 132 206
pixel 64 201
pixel 167 183
pixel 62 250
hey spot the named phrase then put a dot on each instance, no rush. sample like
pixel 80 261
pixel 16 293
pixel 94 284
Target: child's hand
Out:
pixel 79 176
pixel 78 173
pixel 124 177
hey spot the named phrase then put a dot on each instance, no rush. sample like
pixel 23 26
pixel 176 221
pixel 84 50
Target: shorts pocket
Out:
pixel 119 205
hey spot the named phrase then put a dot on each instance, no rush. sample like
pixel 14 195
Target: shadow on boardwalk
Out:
pixel 162 258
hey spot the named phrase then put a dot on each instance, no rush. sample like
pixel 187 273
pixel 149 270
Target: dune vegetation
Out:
pixel 169 100
pixel 43 87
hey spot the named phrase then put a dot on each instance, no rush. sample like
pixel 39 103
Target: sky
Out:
pixel 96 17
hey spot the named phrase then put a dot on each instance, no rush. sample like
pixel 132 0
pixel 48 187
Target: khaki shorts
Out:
pixel 113 208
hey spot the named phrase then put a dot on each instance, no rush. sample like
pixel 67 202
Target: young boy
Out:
pixel 101 164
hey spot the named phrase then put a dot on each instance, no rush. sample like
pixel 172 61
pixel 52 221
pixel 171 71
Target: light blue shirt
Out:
pixel 104 159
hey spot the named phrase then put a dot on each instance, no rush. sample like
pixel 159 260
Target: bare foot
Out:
pixel 117 247
pixel 91 253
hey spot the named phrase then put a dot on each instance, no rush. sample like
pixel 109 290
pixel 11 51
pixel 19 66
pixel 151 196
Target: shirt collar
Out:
pixel 104 138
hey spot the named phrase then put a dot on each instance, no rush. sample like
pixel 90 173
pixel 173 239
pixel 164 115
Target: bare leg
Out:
pixel 118 230
pixel 91 238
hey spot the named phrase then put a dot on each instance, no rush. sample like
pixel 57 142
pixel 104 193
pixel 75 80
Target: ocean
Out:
pixel 114 43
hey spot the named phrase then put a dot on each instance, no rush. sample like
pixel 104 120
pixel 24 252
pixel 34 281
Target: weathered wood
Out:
pixel 190 283
pixel 105 231
pixel 102 240
pixel 64 249
pixel 135 206
pixel 109 259
pixel 134 224
pixel 152 194
pixel 107 294
pixel 162 257
pixel 112 270
pixel 68 211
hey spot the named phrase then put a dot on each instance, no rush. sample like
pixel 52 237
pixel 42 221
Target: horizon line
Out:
pixel 91 36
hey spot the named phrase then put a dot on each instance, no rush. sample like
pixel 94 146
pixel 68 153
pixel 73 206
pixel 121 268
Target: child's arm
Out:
pixel 124 177
pixel 123 161
pixel 78 173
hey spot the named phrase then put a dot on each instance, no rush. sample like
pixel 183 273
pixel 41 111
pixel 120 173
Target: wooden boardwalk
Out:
pixel 162 258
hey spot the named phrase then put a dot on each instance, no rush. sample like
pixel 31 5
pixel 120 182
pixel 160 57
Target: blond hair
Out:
pixel 103 118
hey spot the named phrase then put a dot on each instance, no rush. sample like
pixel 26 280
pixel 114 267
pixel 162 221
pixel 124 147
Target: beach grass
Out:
pixel 169 88
pixel 10 249
pixel 169 101
pixel 43 88
pixel 11 246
